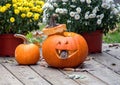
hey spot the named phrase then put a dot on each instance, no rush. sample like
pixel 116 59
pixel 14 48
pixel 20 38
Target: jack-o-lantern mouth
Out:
pixel 64 54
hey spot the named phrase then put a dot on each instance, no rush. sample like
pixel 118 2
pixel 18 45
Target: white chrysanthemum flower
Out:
pixel 119 8
pixel 88 1
pixel 78 9
pixel 65 11
pixel 55 4
pixel 51 7
pixel 118 4
pixel 52 0
pixel 92 15
pixel 72 6
pixel 87 15
pixel 113 6
pixel 72 14
pixel 101 16
pixel 57 10
pixel 105 5
pixel 109 1
pixel 64 0
pixel 64 3
pixel 77 16
pixel 82 1
pixel 95 10
pixel 86 23
pixel 61 11
pixel 48 6
pixel 73 0
pixel 111 17
pixel 98 16
pixel 115 11
pixel 99 21
pixel 68 21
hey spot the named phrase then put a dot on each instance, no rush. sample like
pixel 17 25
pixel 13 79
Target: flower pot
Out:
pixel 94 41
pixel 8 43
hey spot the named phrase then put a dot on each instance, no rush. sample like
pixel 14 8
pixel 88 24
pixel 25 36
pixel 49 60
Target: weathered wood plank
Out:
pixel 102 72
pixel 6 78
pixel 112 49
pixel 115 52
pixel 53 75
pixel 86 78
pixel 109 61
pixel 24 73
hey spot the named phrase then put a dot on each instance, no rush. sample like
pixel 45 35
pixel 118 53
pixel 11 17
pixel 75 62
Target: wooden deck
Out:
pixel 99 69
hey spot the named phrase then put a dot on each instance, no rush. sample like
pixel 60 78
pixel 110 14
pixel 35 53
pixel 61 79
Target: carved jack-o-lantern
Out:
pixel 67 50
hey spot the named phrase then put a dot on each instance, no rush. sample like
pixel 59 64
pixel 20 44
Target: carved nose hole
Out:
pixel 59 42
pixel 66 42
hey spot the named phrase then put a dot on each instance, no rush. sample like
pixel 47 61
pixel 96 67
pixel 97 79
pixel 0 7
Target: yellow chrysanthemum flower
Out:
pixel 25 4
pixel 20 0
pixel 27 9
pixel 31 5
pixel 3 9
pixel 42 3
pixel 14 1
pixel 8 5
pixel 14 5
pixel 36 16
pixel 20 8
pixel 12 19
pixel 34 8
pixel 26 12
pixel 23 15
pixel 40 10
pixel 16 11
pixel 29 14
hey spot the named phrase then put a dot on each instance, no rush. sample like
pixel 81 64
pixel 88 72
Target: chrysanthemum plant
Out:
pixel 20 16
pixel 84 15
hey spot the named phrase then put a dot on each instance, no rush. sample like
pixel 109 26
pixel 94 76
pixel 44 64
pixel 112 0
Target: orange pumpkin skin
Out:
pixel 55 30
pixel 74 43
pixel 27 54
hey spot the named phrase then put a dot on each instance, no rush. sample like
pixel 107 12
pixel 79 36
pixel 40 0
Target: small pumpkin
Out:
pixel 67 50
pixel 26 54
pixel 53 27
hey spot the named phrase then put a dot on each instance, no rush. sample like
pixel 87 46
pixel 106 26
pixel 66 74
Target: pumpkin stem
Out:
pixel 52 22
pixel 22 37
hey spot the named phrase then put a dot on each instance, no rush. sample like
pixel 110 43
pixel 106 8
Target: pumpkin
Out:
pixel 27 53
pixel 53 27
pixel 65 51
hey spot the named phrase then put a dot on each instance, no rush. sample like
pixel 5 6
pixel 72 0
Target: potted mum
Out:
pixel 17 16
pixel 85 17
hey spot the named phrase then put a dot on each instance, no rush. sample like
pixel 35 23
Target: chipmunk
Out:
pixel 64 54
